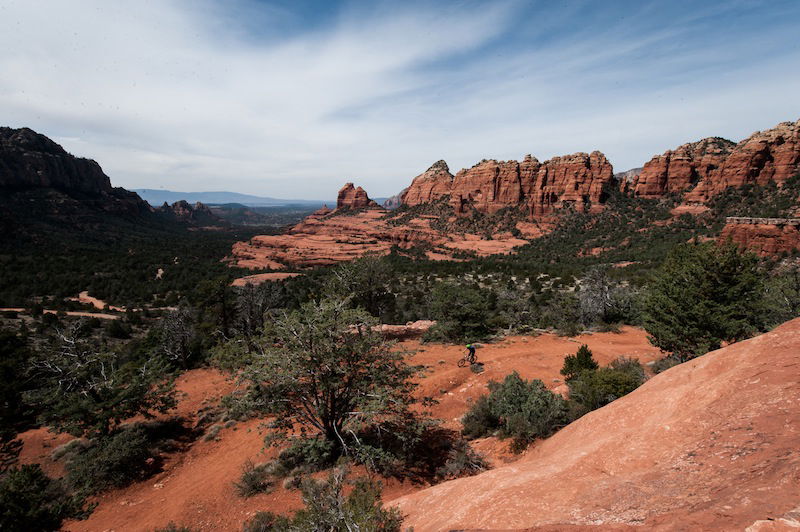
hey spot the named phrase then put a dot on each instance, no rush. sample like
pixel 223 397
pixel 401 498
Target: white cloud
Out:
pixel 181 95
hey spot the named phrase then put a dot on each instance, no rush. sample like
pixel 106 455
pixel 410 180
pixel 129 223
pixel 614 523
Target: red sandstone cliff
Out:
pixel 707 167
pixel 682 168
pixel 764 236
pixel 429 186
pixel 351 197
pixel 492 185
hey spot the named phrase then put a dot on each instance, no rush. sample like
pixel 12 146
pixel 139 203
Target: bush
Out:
pixel 308 454
pixel 267 522
pixel 328 509
pixel 462 461
pixel 31 501
pixel 593 389
pixel 254 480
pixel 516 408
pixel 112 462
pixel 663 364
pixel 574 364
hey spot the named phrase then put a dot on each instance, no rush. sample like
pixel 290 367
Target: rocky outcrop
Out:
pixel 39 176
pixel 710 444
pixel 683 168
pixel 183 211
pixel 394 202
pixel 351 197
pixel 706 168
pixel 540 188
pixel 433 184
pixel 771 155
pixel 764 236
pixel 322 240
pixel 28 159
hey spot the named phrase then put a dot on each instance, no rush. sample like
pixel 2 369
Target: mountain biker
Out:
pixel 471 349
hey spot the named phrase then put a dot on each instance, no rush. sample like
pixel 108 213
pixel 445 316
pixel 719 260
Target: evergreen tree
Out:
pixel 703 295
pixel 580 361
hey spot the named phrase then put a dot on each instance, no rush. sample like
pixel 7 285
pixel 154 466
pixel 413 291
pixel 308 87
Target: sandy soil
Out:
pixel 99 304
pixel 196 489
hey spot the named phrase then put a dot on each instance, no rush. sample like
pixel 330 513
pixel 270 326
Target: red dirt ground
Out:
pixel 196 489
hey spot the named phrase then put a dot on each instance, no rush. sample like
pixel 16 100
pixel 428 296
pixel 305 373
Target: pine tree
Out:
pixel 703 295
pixel 580 361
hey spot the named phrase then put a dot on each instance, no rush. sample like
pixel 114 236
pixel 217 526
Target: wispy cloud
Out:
pixel 276 100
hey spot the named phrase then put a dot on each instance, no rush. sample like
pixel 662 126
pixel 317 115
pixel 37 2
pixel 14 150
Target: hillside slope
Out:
pixel 710 444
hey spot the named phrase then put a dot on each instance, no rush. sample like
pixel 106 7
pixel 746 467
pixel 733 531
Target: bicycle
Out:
pixel 469 358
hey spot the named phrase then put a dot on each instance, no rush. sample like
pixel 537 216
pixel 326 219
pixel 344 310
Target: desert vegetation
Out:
pixel 310 363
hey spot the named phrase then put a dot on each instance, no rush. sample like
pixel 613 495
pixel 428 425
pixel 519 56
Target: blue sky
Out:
pixel 292 99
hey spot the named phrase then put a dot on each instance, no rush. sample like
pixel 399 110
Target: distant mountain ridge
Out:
pixel 156 197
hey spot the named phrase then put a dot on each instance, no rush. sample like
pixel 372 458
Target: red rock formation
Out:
pixel 682 168
pixel 429 186
pixel 321 240
pixel 351 197
pixel 492 185
pixel 764 236
pixel 576 180
pixel 707 167
pixel 768 155
pixel 710 444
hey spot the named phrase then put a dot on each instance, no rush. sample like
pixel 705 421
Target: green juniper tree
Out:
pixel 703 295
pixel 324 370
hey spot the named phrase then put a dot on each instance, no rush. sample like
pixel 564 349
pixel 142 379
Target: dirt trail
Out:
pixel 707 445
pixel 100 315
pixel 196 487
pixel 99 304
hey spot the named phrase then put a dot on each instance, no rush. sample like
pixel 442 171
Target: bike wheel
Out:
pixel 462 363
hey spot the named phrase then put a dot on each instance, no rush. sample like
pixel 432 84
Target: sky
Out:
pixel 292 99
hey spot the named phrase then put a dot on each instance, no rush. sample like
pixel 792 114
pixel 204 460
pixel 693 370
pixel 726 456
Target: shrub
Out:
pixel 574 364
pixel 254 480
pixel 462 460
pixel 516 408
pixel 309 454
pixel 30 500
pixel 328 509
pixel 267 522
pixel 112 462
pixel 663 364
pixel 593 389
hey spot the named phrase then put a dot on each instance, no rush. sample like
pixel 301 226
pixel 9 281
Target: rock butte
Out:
pixel 707 167
pixel 699 170
pixel 707 445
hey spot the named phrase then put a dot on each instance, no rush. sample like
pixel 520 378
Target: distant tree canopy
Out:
pixel 703 295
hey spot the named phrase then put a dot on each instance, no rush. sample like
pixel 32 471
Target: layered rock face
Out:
pixel 706 168
pixel 682 168
pixel 351 197
pixel 492 185
pixel 28 159
pixel 764 236
pixel 432 185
